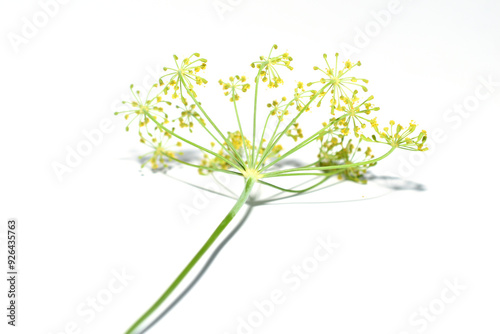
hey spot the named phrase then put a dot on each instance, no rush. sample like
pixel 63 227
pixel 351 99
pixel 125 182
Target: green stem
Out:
pixel 300 169
pixel 298 147
pixel 252 163
pixel 262 138
pixel 275 142
pixel 241 129
pixel 293 190
pixel 190 142
pixel 268 147
pixel 235 154
pixel 237 206
pixel 302 174
pixel 230 153
pixel 204 167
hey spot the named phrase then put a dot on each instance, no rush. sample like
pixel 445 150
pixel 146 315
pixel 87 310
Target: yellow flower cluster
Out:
pixel 348 117
pixel 160 153
pixel 185 73
pixel 150 111
pixel 337 82
pixel 279 108
pixel 355 113
pixel 295 132
pixel 235 84
pixel 267 67
pixel 337 151
pixel 188 116
pixel 236 140
pixel 141 107
pixel 398 136
pixel 273 153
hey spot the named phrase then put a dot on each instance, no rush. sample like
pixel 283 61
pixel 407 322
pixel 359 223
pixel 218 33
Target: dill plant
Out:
pixel 170 110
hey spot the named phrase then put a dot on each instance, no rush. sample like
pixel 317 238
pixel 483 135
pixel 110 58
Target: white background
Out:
pixel 396 251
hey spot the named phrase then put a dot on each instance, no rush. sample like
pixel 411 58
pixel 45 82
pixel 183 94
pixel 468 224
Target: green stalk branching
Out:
pixel 233 153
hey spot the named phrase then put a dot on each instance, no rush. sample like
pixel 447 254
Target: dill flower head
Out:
pixel 338 150
pixel 354 113
pixel 279 108
pixel 172 105
pixel 140 106
pixel 188 117
pixel 267 67
pixel 234 85
pixel 295 132
pixel 399 137
pixel 337 82
pixel 180 78
pixel 160 152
